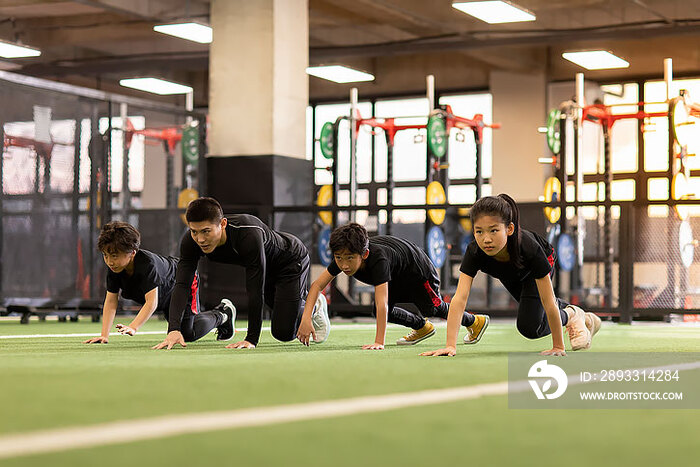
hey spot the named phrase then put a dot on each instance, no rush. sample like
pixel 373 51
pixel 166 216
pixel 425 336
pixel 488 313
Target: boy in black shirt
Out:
pixel 148 279
pixel 400 273
pixel 276 264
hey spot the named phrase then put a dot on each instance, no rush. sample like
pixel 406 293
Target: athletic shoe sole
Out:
pixel 326 319
pixel 595 324
pixel 232 320
pixel 582 315
pixel 481 333
pixel 595 327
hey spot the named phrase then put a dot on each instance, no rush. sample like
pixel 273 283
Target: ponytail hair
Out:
pixel 504 207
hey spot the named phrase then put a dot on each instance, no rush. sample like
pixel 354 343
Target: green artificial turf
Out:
pixel 56 382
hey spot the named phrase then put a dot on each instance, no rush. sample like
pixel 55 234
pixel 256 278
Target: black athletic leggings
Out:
pixel 532 319
pixel 425 295
pixel 285 294
pixel 196 323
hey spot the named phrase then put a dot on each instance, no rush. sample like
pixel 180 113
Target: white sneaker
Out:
pixel 579 335
pixel 320 319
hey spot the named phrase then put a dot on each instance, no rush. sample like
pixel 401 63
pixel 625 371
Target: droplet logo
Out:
pixel 544 372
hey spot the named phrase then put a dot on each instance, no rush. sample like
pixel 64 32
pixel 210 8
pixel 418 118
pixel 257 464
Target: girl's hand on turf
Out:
pixel 554 352
pixel 241 345
pixel 97 340
pixel 374 346
pixel 126 330
pixel 447 351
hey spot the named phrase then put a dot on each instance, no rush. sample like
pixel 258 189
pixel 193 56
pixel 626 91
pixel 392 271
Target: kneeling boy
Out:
pixel 148 279
pixel 400 273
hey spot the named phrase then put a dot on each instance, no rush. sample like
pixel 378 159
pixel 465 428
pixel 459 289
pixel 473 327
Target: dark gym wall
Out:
pixel 255 185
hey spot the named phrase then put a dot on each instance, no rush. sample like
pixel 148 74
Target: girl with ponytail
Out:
pixel 524 262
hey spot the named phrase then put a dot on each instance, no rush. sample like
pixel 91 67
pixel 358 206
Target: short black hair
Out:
pixel 352 237
pixel 204 209
pixel 118 237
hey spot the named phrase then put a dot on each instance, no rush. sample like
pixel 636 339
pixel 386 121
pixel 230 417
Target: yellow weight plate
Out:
pixel 99 201
pixel 683 127
pixel 552 192
pixel 464 219
pixel 435 194
pixel 184 199
pixel 679 190
pixel 325 196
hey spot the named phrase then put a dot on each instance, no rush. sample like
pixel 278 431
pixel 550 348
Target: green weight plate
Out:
pixel 190 144
pixel 437 135
pixel 327 140
pixel 553 128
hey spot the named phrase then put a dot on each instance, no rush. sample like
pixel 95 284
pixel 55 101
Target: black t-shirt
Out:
pixel 394 260
pixel 537 257
pixel 249 243
pixel 150 271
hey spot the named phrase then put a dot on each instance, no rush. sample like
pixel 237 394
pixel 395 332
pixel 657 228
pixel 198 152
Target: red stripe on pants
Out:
pixel 433 296
pixel 195 286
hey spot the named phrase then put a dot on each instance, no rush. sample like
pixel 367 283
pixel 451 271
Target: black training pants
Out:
pixel 195 323
pixel 425 294
pixel 286 288
pixel 532 319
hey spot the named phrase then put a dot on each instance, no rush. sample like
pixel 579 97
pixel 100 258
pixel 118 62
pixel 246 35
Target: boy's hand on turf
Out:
pixel 241 345
pixel 126 330
pixel 447 351
pixel 173 337
pixel 374 346
pixel 554 352
pixel 306 330
pixel 97 340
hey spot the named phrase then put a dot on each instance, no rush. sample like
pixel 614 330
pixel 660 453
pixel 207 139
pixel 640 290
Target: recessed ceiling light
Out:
pixel 9 50
pixel 155 85
pixel 191 31
pixel 339 74
pixel 495 12
pixel 596 60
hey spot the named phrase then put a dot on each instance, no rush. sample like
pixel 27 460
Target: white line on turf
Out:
pixel 92 334
pixel 64 439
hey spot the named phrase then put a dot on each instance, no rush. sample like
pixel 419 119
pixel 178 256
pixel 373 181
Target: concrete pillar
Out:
pixel 258 86
pixel 519 105
pixel 153 195
pixel 258 94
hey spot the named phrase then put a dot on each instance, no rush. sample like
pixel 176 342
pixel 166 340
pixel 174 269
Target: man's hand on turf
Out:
pixel 554 352
pixel 447 351
pixel 97 340
pixel 126 330
pixel 173 337
pixel 306 330
pixel 375 346
pixel 241 345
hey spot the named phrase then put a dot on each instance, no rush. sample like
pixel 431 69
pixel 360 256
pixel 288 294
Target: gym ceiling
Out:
pixel 94 43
